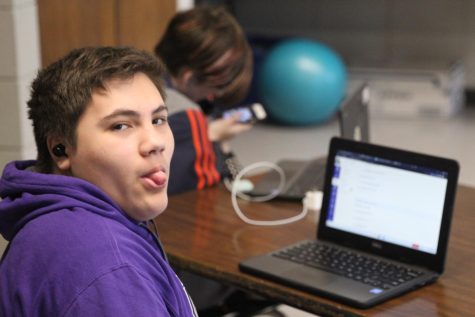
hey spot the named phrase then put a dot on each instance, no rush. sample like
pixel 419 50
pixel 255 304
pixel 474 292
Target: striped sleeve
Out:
pixel 195 162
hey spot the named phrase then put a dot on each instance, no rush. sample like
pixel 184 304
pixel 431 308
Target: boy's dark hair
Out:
pixel 197 38
pixel 61 92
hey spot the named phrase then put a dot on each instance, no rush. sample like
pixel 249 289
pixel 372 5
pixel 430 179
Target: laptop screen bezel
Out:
pixel 434 262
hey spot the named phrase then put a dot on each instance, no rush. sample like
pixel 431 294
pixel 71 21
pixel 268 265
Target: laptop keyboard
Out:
pixel 369 270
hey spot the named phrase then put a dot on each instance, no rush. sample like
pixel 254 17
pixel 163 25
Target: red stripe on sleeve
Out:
pixel 210 157
pixel 197 145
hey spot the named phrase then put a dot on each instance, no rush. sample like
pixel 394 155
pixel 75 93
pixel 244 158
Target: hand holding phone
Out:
pixel 247 114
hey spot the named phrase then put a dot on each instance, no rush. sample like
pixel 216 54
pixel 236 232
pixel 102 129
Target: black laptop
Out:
pixel 305 175
pixel 383 228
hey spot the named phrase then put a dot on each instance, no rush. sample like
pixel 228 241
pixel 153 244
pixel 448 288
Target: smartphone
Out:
pixel 248 113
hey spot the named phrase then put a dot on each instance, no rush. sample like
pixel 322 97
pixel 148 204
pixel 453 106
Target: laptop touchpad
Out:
pixel 311 276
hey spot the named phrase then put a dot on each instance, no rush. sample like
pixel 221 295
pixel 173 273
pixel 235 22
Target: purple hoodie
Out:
pixel 73 252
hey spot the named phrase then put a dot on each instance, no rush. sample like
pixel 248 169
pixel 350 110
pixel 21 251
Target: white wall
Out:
pixel 373 32
pixel 19 62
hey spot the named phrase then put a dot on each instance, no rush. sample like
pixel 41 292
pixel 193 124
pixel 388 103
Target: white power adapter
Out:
pixel 313 200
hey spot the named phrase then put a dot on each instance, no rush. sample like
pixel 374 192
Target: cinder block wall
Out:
pixel 19 63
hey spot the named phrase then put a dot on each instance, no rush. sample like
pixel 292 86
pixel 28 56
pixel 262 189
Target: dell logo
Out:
pixel 376 245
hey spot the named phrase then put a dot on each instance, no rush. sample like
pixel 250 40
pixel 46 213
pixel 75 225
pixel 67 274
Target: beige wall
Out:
pixel 19 62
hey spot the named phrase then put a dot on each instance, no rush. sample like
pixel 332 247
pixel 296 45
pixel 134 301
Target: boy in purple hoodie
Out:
pixel 77 218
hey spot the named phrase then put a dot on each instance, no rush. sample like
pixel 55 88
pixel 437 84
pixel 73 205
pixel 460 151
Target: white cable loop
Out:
pixel 235 193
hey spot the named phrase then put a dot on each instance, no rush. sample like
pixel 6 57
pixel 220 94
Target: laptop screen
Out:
pixel 387 200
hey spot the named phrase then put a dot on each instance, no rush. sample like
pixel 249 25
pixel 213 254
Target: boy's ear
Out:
pixel 58 150
pixel 184 79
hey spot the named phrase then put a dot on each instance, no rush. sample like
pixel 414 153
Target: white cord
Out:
pixel 234 185
pixel 235 193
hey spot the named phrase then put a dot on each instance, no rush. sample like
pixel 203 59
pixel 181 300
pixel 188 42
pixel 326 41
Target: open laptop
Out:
pixel 383 228
pixel 304 175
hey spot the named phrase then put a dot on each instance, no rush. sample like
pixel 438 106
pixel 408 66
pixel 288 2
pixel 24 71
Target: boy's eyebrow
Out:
pixel 131 113
pixel 161 108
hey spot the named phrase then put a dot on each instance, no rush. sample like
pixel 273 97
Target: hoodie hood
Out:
pixel 27 194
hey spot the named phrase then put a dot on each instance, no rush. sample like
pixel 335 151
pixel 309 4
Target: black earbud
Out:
pixel 59 150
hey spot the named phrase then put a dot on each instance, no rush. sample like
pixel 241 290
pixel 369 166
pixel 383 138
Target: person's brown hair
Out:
pixel 197 38
pixel 62 91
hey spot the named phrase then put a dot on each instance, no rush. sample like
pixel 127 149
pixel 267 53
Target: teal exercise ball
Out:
pixel 301 82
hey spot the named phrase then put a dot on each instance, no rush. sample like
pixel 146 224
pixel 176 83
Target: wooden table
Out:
pixel 202 234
